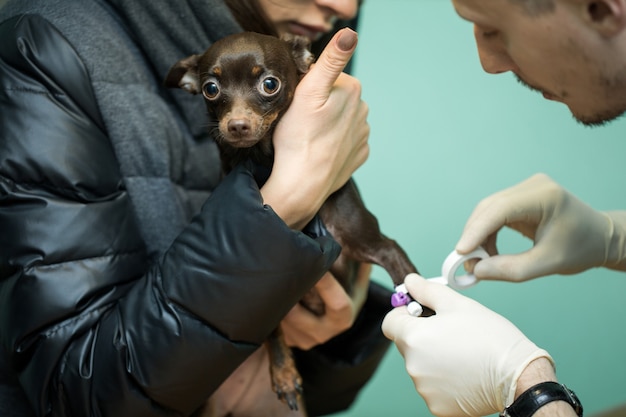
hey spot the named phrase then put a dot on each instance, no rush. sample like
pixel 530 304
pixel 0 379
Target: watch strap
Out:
pixel 539 395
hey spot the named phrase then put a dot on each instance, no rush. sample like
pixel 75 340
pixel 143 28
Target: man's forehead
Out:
pixel 473 10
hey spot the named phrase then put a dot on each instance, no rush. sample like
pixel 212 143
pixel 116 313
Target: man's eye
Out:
pixel 490 34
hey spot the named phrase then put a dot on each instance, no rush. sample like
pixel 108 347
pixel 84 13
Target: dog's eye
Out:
pixel 270 85
pixel 210 90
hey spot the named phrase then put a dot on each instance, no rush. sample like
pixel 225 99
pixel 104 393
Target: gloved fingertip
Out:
pixel 390 323
pixel 502 268
pixel 462 249
pixel 411 278
pixel 465 245
pixel 415 284
pixel 486 269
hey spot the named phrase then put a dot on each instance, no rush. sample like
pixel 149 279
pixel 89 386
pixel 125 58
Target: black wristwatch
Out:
pixel 539 395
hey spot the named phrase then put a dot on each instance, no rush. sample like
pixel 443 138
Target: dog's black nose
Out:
pixel 239 127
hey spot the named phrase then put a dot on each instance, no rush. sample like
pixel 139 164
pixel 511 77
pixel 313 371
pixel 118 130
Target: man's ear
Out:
pixel 300 50
pixel 184 74
pixel 608 17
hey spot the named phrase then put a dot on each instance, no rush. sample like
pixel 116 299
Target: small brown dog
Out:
pixel 248 81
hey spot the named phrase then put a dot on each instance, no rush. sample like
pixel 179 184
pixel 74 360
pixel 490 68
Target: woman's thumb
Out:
pixel 332 61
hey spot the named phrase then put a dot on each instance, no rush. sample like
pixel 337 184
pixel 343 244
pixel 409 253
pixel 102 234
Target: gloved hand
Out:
pixel 465 360
pixel 569 236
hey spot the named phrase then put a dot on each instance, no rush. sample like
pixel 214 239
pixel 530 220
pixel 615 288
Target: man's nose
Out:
pixel 492 52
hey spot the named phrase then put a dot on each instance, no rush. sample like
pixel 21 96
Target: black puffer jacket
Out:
pixel 127 288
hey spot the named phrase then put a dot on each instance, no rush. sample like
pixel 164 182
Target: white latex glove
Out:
pixel 465 360
pixel 569 236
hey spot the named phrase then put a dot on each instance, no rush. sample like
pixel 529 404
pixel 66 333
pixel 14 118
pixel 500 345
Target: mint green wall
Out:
pixel 444 135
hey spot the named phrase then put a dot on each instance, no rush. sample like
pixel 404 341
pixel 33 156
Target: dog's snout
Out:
pixel 239 127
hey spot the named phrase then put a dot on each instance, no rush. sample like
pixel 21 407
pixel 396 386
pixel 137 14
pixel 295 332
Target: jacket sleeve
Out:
pixel 89 325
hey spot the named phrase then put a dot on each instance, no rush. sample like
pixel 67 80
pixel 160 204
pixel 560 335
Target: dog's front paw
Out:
pixel 287 385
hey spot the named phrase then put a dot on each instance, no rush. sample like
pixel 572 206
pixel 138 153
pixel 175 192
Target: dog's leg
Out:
pixel 358 232
pixel 286 380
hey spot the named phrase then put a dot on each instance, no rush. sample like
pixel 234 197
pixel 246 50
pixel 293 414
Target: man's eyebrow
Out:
pixel 460 13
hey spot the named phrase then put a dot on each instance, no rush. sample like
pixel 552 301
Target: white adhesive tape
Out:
pixel 453 262
pixel 449 277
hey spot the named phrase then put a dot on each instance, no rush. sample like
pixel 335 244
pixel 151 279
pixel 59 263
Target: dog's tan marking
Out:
pixel 257 70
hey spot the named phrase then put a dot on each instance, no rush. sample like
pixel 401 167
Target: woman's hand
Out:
pixel 322 139
pixel 305 330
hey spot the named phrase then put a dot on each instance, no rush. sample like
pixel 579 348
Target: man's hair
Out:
pixel 535 7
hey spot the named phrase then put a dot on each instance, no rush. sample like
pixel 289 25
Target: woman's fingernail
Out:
pixel 347 39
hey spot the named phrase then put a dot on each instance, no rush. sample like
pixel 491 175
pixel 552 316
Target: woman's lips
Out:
pixel 311 32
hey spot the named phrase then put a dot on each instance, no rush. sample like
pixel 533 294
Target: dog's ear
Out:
pixel 184 74
pixel 301 51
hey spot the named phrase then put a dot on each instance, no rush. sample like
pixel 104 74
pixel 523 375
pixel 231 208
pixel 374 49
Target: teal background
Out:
pixel 444 135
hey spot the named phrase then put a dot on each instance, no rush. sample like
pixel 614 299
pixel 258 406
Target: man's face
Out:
pixel 555 51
